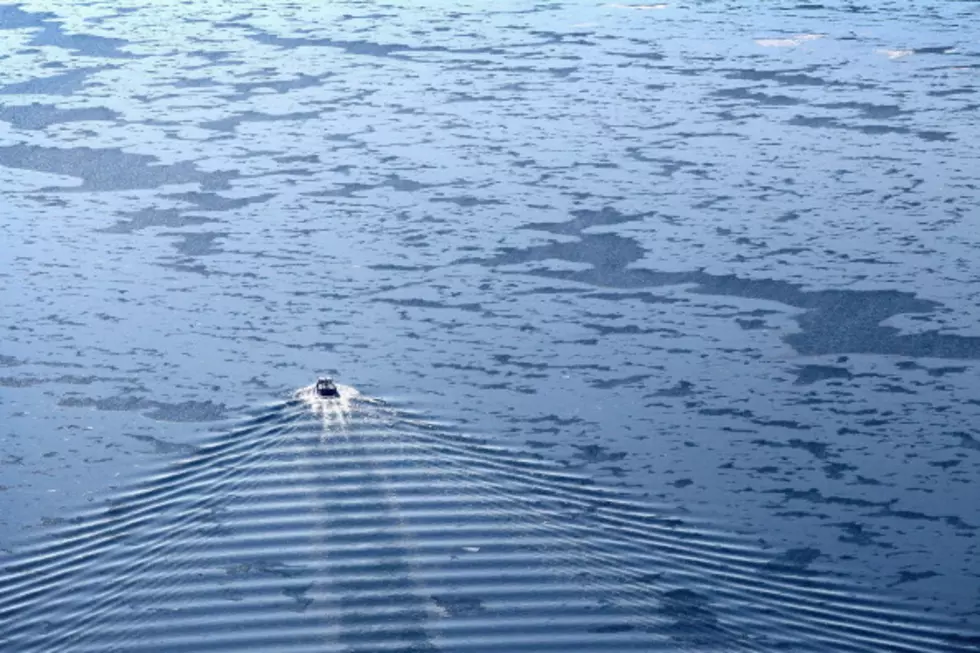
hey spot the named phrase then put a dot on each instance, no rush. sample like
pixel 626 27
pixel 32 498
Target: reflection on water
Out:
pixel 698 278
pixel 345 524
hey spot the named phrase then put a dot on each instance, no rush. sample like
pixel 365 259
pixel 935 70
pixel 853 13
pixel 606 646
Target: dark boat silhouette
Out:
pixel 325 387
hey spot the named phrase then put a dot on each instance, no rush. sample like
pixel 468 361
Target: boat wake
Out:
pixel 347 524
pixel 334 412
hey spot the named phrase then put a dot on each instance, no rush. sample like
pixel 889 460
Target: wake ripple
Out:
pixel 350 525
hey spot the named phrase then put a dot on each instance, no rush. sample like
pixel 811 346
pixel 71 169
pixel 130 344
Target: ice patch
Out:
pixel 896 54
pixel 791 42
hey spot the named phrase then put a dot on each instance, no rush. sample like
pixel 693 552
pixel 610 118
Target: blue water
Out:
pixel 662 319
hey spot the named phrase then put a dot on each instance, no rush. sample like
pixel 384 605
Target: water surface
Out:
pixel 670 308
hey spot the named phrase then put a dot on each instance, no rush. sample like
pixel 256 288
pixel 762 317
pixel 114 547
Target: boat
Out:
pixel 325 387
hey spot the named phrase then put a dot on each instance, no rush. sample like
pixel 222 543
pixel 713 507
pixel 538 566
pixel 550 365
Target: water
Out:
pixel 349 525
pixel 662 320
